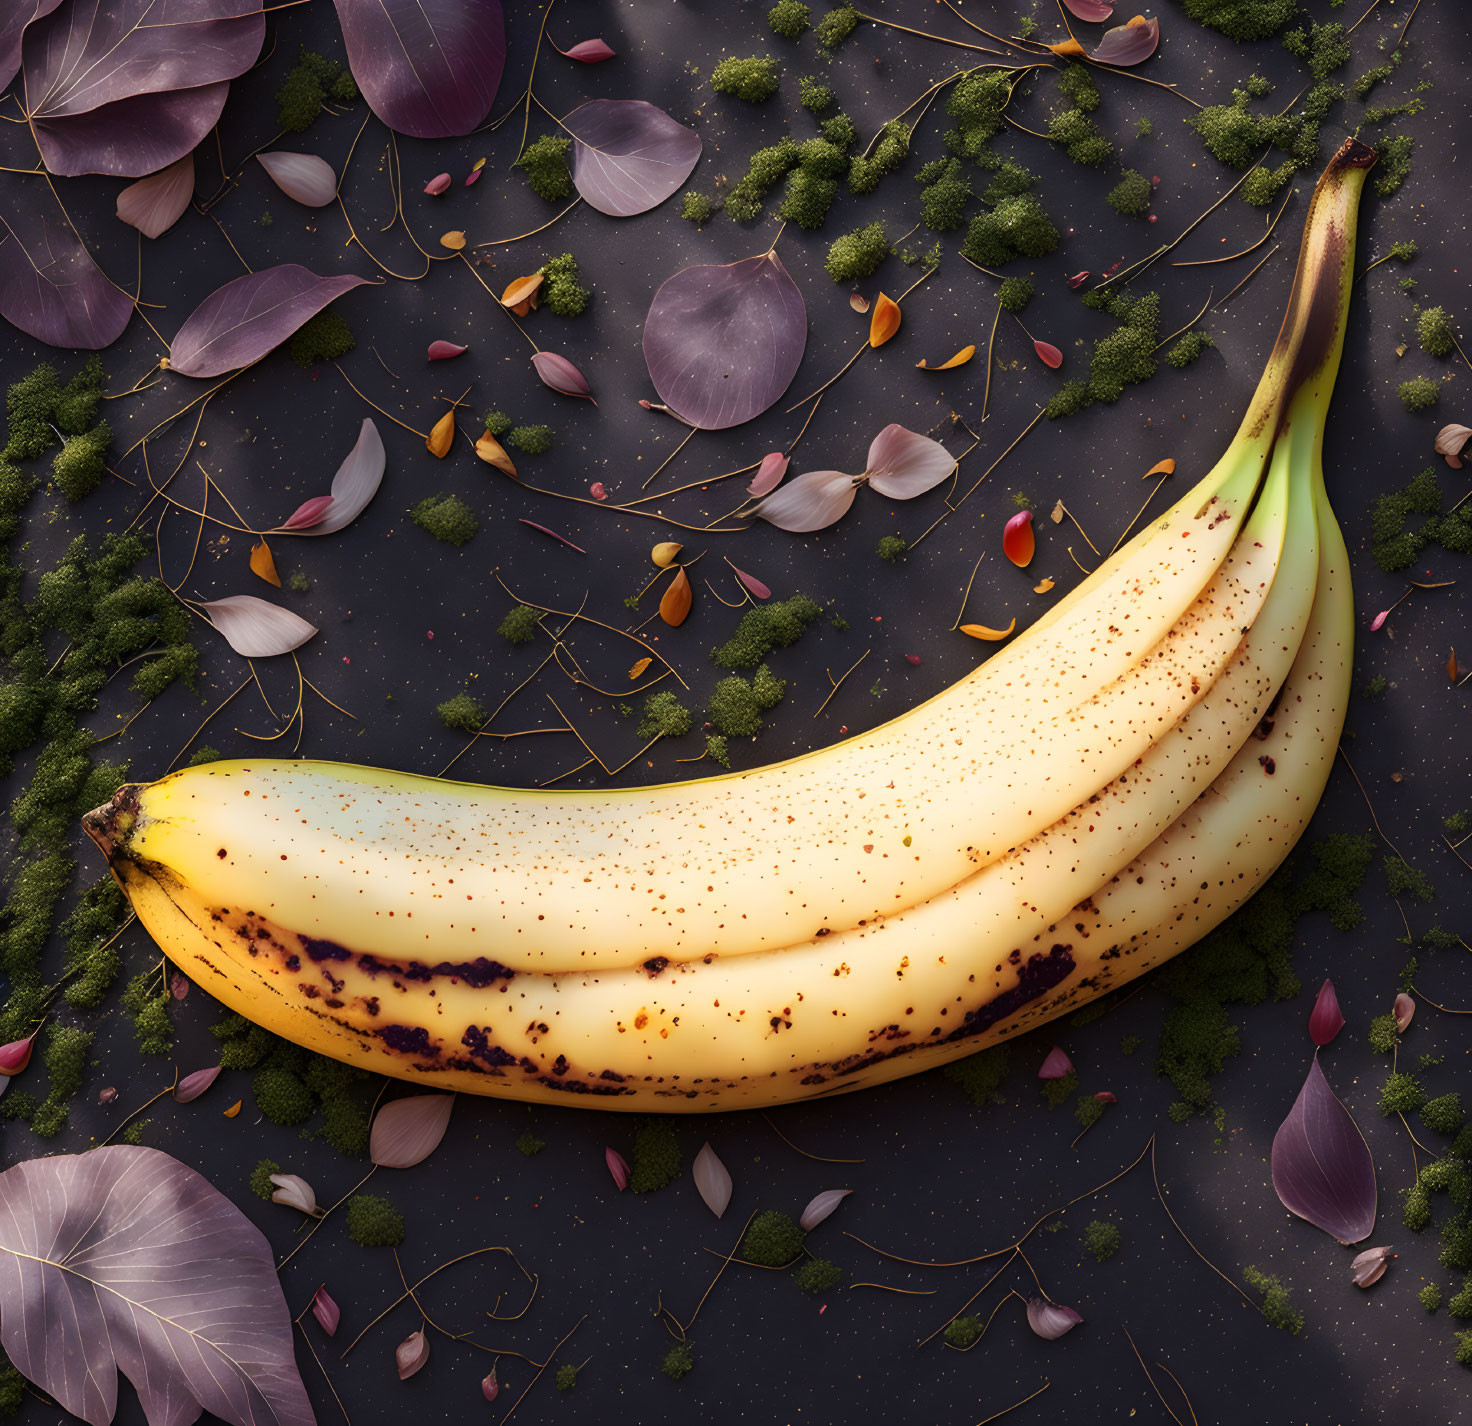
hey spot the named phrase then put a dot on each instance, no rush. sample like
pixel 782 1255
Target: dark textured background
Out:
pixel 939 1180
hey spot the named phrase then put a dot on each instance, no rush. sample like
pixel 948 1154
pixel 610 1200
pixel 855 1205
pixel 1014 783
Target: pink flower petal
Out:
pixel 353 487
pixel 437 184
pixel 15 1056
pixel 1379 619
pixel 588 51
pixel 411 1354
pixel 301 176
pixel 1405 1010
pixel 1090 9
pixel 1077 281
pixel 490 1387
pixel 712 1180
pixel 154 204
pixel 443 351
pixel 1050 1320
pixel 561 375
pixel 193 1085
pixel 821 1207
pixel 1057 1065
pixel 1048 353
pixel 326 1311
pixel 752 583
pixel 813 501
pixel 618 1166
pixel 1128 44
pixel 256 629
pixel 903 464
pixel 309 513
pixel 407 1131
pixel 1106 1096
pixel 769 475
pixel 178 984
pixel 1449 443
pixel 1326 1021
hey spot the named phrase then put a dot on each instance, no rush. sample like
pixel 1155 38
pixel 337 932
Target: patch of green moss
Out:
pixel 678 1362
pixel 752 79
pixel 324 337
pixel 1015 293
pixel 1101 1240
pixel 773 1239
pixel 1443 1115
pixel 818 1275
pixel 961 1332
pixel 520 624
pixel 1396 544
pixel 529 1145
pixel 30 407
pixel 773 625
pixel 446 517
pixel 1080 138
pixel 260 1178
pixel 567 1376
pixel 980 1076
pixel 146 1001
pixel 1243 19
pixel 1375 687
pixel 736 704
pixel 764 169
pixel 717 750
pixel 308 85
pixel 1394 164
pixel 1016 227
pixel 888 154
pixel 1435 332
pixel 1088 1111
pixel 1402 1095
pixel 498 423
pixel 282 1095
pixel 809 195
pixel 1188 349
pixel 1375 75
pixel 1131 195
pixel 67 1053
pixel 836 26
pixel 891 548
pixel 1402 879
pixel 1324 48
pixel 944 194
pixel 12 1388
pixel 655 1161
pixel 1383 1035
pixel 373 1222
pixel 562 292
pixel 545 165
pixel 1430 1297
pixel 1277 1305
pixel 696 207
pixel 976 104
pixel 534 440
pixel 789 19
pixel 92 957
pixel 1077 85
pixel 857 254
pixel 462 713
pixel 664 717
pixel 813 94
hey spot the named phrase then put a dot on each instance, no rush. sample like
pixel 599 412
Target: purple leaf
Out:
pixel 355 484
pixel 628 156
pixel 326 1311
pixel 1322 1169
pixel 256 629
pixel 19 14
pixel 56 293
pixel 128 87
pixel 1057 1065
pixel 239 323
pixel 411 1354
pixel 618 1166
pixel 903 464
pixel 154 204
pixel 588 51
pixel 193 1085
pixel 304 177
pixel 122 1257
pixel 178 985
pixel 813 501
pixel 429 68
pixel 561 375
pixel 1090 9
pixel 769 476
pixel 1405 1010
pixel 443 351
pixel 722 343
pixel 1369 1267
pixel 712 1180
pixel 1325 1021
pixel 407 1131
pixel 1050 1320
pixel 751 583
pixel 1128 44
pixel 822 1207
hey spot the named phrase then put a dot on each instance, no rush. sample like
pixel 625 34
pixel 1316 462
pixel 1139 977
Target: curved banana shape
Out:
pixel 640 948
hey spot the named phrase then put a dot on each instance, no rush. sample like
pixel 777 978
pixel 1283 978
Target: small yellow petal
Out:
pixel 991 636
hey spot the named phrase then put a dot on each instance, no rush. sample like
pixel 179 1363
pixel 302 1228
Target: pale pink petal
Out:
pixel 256 629
pixel 588 51
pixel 326 1311
pixel 407 1131
pixel 1369 1267
pixel 442 351
pixel 813 501
pixel 1050 1320
pixel 1405 1010
pixel 1128 44
pixel 711 1180
pixel 357 480
pixel 154 204
pixel 561 375
pixel 1057 1065
pixel 769 475
pixel 1090 9
pixel 822 1207
pixel 302 176
pixel 437 184
pixel 309 514
pixel 411 1354
pixel 1449 443
pixel 15 1056
pixel 295 1192
pixel 193 1085
pixel 904 464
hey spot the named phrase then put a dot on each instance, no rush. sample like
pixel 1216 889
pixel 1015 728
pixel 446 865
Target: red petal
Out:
pixel 618 1166
pixel 440 351
pixel 1018 541
pixel 1077 281
pixel 313 512
pixel 1050 354
pixel 326 1311
pixel 751 582
pixel 1326 1021
pixel 588 52
pixel 437 184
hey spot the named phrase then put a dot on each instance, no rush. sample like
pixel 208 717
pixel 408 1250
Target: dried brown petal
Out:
pixel 233 1110
pixel 960 359
pixel 1043 588
pixel 1057 513
pixel 1161 467
pixel 674 607
pixel 490 450
pixel 263 563
pixel 639 666
pixel 521 291
pixel 454 240
pixel 442 435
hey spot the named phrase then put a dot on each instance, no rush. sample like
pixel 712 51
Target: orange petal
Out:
pixel 521 291
pixel 454 240
pixel 1161 467
pixel 441 435
pixel 262 563
pixel 639 668
pixel 233 1110
pixel 675 606
pixel 991 636
pixel 885 322
pixel 1070 47
pixel 960 359
pixel 1042 588
pixel 490 450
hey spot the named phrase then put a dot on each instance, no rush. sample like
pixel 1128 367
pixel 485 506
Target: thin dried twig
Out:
pixel 817 1158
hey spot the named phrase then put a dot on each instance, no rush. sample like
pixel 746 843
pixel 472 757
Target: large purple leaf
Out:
pixel 723 343
pixel 243 320
pixel 123 1258
pixel 56 292
pixel 1322 1169
pixel 429 68
pixel 16 16
pixel 628 156
pixel 128 86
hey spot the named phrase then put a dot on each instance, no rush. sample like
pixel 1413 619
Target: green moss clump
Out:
pixel 30 407
pixel 1435 332
pixel 773 1239
pixel 1277 1306
pixel 282 1095
pixel 678 1362
pixel 696 207
pixel 1402 1095
pixel 12 1388
pixel 717 751
pixel 1127 355
pixel 765 167
pixel 1188 349
pixel 1420 393
pixel 774 625
pixel 66 1056
pixel 1461 1306
pixel 545 165
pixel 1396 546
pixel 1143 127
pixel 1430 1297
pixel 1394 164
pixel 1008 181
pixel 1077 86
pixel 980 1076
pixel 562 293
pixel 1101 1239
pixel 818 1275
pixel 1016 227
pixel 1371 77
pixel 534 440
pixel 520 624
pixel 260 1178
pixel 1131 195
pixel 752 79
pixel 889 153
pixel 1402 879
pixel 736 705
pixel 307 86
pixel 961 1332
pixel 243 1045
pixel 944 195
pixel 1443 1115
pixel 1243 19
pixel 374 1222
pixel 78 402
pixel 529 1145
pixel 446 517
pixel 1015 293
pixel 462 713
pixel 976 105
pixel 809 196
pixel 1088 1111
pixel 1324 48
pixel 813 94
pixel 664 717
pixel 324 337
pixel 1464 1349
pixel 567 1376
pixel 92 960
pixel 655 1161
pixel 857 254
pixel 790 19
pixel 836 26
pixel 498 423
pixel 146 1001
pixel 1383 1035
pixel 1059 1091
pixel 1080 138
pixel 891 548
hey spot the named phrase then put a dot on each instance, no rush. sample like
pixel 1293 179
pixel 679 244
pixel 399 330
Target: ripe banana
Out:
pixel 654 947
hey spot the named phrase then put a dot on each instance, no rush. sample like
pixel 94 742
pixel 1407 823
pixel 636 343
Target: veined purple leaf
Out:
pixel 355 484
pixel 56 293
pixel 903 464
pixel 1322 1169
pixel 1128 44
pixel 1090 9
pixel 303 177
pixel 154 204
pixel 428 68
pixel 239 323
pixel 123 1258
pixel 407 1131
pixel 18 14
pixel 813 501
pixel 588 51
pixel 769 475
pixel 822 1207
pixel 722 343
pixel 1050 1320
pixel 326 1311
pixel 627 155
pixel 1326 1020
pixel 193 1085
pixel 130 86
pixel 561 375
pixel 711 1180
pixel 256 629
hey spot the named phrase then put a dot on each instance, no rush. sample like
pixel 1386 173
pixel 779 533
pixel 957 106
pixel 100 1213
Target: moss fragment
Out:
pixel 324 337
pixel 1101 1239
pixel 563 293
pixel 773 1239
pixel 545 165
pixel 462 713
pixel 752 79
pixel 520 624
pixel 1277 1306
pixel 446 517
pixel 655 1161
pixel 374 1222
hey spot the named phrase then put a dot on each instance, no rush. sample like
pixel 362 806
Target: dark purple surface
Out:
pixel 628 156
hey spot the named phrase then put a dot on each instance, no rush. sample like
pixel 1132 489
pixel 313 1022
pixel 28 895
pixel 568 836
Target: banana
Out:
pixel 642 948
